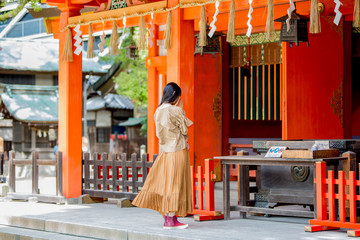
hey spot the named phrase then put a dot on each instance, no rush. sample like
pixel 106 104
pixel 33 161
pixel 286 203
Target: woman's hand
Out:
pixel 180 103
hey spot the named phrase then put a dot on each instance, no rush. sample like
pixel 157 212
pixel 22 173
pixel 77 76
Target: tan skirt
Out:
pixel 167 188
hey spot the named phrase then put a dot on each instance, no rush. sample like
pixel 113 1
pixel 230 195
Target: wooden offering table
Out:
pixel 244 162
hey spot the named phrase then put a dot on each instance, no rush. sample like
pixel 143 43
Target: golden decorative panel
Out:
pixel 257 38
pixel 216 107
pixel 272 53
pixel 237 57
pixel 255 52
pixel 337 103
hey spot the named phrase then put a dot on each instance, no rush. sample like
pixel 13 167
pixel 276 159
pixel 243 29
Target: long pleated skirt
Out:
pixel 167 187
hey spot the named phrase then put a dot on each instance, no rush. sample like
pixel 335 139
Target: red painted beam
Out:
pixel 280 7
pixel 259 17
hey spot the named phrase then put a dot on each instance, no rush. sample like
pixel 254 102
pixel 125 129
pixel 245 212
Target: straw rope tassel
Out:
pixel 90 49
pixel 142 40
pixel 168 31
pixel 114 40
pixel 67 55
pixel 315 26
pixel 269 29
pixel 231 27
pixel 356 17
pixel 202 25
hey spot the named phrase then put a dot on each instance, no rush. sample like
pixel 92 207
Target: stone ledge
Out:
pixel 57 227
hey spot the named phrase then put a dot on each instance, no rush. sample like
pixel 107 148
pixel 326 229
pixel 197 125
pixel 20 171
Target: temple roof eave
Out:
pixel 192 12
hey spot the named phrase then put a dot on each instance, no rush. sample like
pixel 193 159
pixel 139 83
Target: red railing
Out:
pixel 204 185
pixel 234 168
pixel 330 214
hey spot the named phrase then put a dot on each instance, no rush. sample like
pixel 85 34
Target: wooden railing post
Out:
pixel 12 172
pixel 133 173
pixel 331 195
pixel 352 196
pixel 35 172
pixel 320 191
pixel 209 185
pixel 115 172
pixel 59 172
pixel 348 165
pixel 124 173
pixel 342 197
pixel 144 160
pixel 200 188
pixel 104 158
pixel 96 171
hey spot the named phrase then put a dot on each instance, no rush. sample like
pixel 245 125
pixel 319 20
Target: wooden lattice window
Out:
pixel 103 135
pixel 256 91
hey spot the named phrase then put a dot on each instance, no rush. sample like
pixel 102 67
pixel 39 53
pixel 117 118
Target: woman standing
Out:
pixel 167 188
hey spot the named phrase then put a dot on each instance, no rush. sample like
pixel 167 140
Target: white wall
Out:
pixel 90 115
pixel 103 118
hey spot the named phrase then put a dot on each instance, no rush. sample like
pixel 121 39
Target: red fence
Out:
pixel 234 169
pixel 332 214
pixel 105 182
pixel 202 184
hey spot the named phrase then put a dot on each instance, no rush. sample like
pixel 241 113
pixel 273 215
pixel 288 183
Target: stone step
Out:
pixel 16 233
pixel 70 229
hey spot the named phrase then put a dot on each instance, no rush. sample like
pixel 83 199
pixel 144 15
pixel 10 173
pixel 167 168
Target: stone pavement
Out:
pixel 26 220
pixel 107 221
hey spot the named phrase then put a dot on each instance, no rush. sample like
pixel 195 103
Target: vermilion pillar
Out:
pixel 70 113
pixel 208 138
pixel 153 99
pixel 180 64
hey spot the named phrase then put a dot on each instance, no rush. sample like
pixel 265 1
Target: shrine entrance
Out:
pixel 255 90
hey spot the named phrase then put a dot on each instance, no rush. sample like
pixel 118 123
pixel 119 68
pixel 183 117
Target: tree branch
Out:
pixel 14 12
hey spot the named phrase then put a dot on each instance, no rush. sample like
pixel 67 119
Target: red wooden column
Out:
pixel 208 92
pixel 153 99
pixel 180 63
pixel 225 98
pixel 70 113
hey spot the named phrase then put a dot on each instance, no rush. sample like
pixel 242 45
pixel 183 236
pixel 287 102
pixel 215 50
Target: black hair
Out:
pixel 171 93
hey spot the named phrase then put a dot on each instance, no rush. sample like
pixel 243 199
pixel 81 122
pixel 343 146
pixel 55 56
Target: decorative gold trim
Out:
pixel 337 102
pixel 257 38
pixel 216 107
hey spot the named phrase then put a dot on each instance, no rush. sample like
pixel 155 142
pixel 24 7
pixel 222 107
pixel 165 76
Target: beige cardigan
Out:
pixel 171 128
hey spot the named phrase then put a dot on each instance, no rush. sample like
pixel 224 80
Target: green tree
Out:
pixel 133 83
pixel 35 4
pixel 132 80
